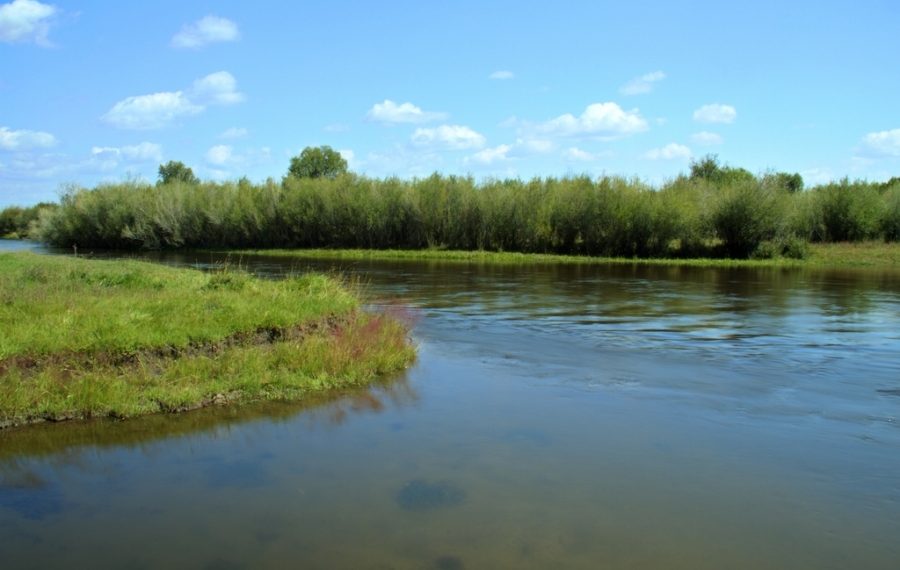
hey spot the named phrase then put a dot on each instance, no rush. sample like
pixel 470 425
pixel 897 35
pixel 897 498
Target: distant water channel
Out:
pixel 557 417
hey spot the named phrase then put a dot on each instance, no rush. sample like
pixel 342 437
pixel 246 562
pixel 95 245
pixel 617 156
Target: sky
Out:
pixel 94 91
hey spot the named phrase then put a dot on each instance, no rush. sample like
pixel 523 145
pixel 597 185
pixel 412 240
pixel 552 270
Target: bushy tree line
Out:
pixel 17 222
pixel 713 211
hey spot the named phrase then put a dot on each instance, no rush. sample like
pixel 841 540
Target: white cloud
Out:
pixel 535 146
pixel 26 21
pixel 219 88
pixel 601 120
pixel 503 74
pixel 219 154
pixel 490 155
pixel 402 160
pixel 347 154
pixel 207 30
pixel 882 143
pixel 390 112
pixel 154 111
pixel 671 151
pixel 642 84
pixel 24 139
pixel 223 158
pixel 145 151
pixel 455 137
pixel 715 113
pixel 108 157
pixel 576 154
pixel 707 138
pixel 233 133
pixel 523 147
pixel 158 110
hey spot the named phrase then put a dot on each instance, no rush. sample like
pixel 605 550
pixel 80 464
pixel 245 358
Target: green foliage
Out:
pixel 317 162
pixel 176 171
pixel 894 182
pixel 784 181
pixel 19 222
pixel 789 247
pixel 708 169
pixel 843 211
pixel 608 216
pixel 890 218
pixel 743 216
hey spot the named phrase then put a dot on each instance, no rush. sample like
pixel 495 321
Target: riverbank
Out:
pixel 871 254
pixel 86 338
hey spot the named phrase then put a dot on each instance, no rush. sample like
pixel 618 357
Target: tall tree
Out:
pixel 317 162
pixel 176 171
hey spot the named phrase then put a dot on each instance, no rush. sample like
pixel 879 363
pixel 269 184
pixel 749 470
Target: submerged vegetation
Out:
pixel 715 211
pixel 88 338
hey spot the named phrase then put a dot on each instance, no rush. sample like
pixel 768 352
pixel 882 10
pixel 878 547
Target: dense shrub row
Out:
pixel 739 216
pixel 16 222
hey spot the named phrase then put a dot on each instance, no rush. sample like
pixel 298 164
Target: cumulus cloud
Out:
pixel 882 143
pixel 24 139
pixel 219 88
pixel 600 120
pixel 707 138
pixel 453 137
pixel 490 155
pixel 153 111
pixel 715 113
pixel 219 154
pixel 642 84
pixel 521 148
pixel 26 21
pixel 502 75
pixel 671 151
pixel 207 30
pixel 158 110
pixel 390 112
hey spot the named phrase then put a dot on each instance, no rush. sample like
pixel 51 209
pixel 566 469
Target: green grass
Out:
pixel 870 254
pixel 862 254
pixel 86 338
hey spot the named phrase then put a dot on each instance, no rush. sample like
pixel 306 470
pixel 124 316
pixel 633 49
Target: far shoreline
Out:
pixel 842 255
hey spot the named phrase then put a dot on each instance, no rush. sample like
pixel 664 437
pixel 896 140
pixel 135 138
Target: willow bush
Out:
pixel 610 216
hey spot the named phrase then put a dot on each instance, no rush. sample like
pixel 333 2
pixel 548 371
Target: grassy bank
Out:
pixel 96 338
pixel 869 254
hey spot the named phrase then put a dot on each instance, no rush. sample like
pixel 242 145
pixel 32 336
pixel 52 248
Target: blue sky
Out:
pixel 105 91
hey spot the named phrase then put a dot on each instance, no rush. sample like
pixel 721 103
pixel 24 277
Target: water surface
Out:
pixel 558 416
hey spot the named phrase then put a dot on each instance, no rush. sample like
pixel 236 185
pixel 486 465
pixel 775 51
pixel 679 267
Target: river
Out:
pixel 557 417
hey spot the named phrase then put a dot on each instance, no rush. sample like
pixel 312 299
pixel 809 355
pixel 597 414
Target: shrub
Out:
pixel 845 211
pixel 744 215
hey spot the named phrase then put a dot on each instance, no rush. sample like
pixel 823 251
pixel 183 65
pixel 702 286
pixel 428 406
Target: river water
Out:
pixel 557 417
